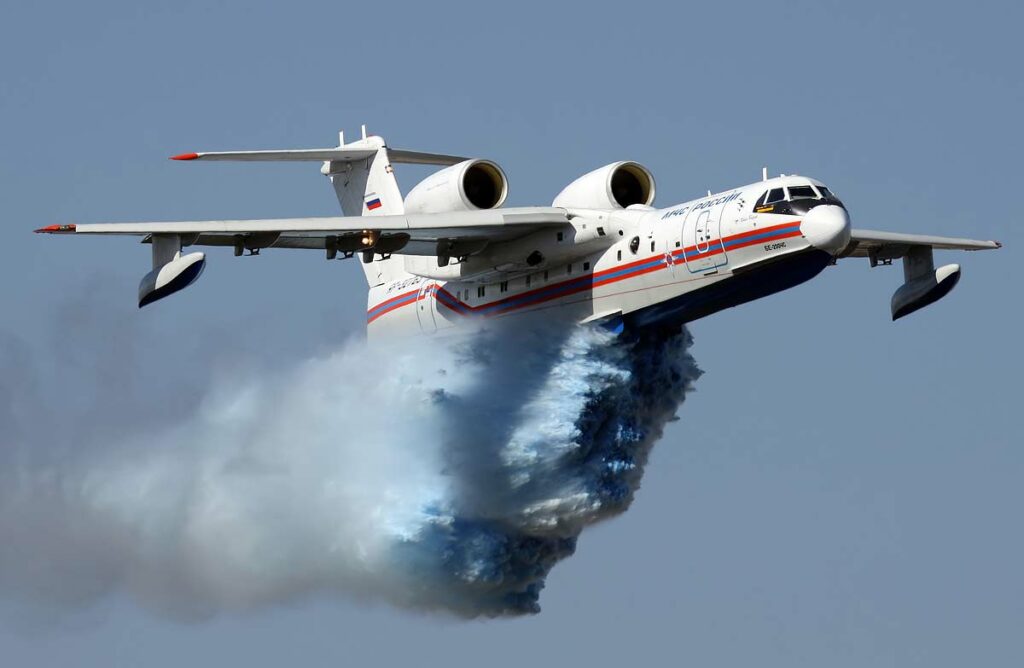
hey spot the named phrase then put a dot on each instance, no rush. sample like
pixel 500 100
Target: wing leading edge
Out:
pixel 894 245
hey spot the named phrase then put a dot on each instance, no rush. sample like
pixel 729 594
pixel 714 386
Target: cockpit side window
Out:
pixel 802 192
pixel 826 193
pixel 775 195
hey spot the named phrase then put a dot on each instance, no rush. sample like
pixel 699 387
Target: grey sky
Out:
pixel 840 490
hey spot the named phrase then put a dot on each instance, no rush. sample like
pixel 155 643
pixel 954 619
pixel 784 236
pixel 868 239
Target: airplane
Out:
pixel 448 252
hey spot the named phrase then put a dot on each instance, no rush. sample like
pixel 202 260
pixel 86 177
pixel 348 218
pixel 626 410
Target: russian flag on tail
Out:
pixel 372 202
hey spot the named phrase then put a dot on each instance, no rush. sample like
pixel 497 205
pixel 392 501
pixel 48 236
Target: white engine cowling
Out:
pixel 614 186
pixel 467 186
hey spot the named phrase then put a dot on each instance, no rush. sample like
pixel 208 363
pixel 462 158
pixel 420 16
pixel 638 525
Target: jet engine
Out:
pixel 467 186
pixel 614 186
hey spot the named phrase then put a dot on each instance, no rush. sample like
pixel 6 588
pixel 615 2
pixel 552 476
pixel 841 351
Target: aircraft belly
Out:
pixel 712 296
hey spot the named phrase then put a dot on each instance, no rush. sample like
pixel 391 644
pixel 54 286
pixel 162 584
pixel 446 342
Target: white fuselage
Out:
pixel 660 267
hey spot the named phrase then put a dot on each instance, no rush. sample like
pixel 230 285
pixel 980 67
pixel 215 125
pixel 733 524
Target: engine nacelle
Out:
pixel 614 186
pixel 467 186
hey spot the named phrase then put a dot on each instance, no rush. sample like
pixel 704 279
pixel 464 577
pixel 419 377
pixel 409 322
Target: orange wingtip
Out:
pixel 56 229
pixel 185 156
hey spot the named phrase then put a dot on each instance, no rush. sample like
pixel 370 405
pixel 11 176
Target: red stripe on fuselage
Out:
pixel 754 242
pixel 391 305
pixel 760 230
pixel 396 298
pixel 590 281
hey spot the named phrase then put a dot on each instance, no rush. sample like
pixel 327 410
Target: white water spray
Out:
pixel 449 473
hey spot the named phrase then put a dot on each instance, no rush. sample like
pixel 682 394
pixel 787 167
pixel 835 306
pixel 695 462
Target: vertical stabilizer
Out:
pixel 367 187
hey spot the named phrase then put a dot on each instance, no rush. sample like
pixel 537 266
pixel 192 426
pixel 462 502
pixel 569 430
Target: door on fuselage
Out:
pixel 702 240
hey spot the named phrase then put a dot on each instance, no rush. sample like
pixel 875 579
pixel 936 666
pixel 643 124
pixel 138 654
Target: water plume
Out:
pixel 448 473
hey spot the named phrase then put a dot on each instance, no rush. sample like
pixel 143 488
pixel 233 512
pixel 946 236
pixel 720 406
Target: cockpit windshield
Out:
pixel 802 192
pixel 795 199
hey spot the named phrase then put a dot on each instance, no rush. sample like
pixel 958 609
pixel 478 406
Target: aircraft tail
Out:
pixel 366 186
pixel 363 180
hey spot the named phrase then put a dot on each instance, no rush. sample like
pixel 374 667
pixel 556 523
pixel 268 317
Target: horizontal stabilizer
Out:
pixel 323 155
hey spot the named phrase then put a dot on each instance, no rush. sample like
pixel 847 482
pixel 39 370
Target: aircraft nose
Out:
pixel 827 227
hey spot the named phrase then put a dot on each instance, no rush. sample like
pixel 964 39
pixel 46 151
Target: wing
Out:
pixel 887 246
pixel 412 234
pixel 923 284
pixel 443 235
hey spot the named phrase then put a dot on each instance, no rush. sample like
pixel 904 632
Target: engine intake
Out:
pixel 467 186
pixel 615 186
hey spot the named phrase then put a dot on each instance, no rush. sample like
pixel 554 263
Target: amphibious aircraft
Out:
pixel 449 251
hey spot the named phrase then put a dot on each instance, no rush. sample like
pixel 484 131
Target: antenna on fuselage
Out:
pixel 764 173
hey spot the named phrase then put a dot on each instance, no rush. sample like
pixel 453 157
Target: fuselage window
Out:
pixel 802 192
pixel 586 266
pixel 504 286
pixel 545 275
pixel 568 269
pixel 634 245
pixel 480 291
pixel 618 256
pixel 527 281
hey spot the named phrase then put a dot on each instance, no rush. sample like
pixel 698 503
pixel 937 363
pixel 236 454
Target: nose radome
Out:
pixel 827 227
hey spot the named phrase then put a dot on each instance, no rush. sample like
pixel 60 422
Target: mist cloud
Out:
pixel 444 473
